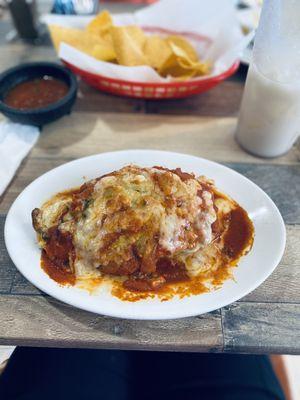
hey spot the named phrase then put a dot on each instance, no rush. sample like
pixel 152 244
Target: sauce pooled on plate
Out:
pixel 146 231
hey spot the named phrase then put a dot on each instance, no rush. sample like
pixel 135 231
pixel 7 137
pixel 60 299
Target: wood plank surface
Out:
pixel 7 268
pixel 222 100
pixel 43 321
pixel 283 286
pixel 21 285
pixel 267 320
pixel 261 328
pixel 247 327
pixel 84 134
pixel 281 183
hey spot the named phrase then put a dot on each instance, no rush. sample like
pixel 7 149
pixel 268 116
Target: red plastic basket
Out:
pixel 148 90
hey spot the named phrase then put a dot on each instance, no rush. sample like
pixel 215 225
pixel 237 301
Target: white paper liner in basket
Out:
pixel 214 19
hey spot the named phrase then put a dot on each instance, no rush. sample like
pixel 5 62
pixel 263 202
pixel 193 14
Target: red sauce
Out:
pixel 61 275
pixel 57 256
pixel 172 272
pixel 237 242
pixel 143 284
pixel 184 176
pixel 239 233
pixel 36 93
pixel 162 277
pixel 84 192
pixel 126 268
pixel 167 272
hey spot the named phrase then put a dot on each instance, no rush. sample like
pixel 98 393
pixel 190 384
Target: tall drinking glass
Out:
pixel 269 120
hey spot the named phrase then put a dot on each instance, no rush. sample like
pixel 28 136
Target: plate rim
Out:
pixel 129 315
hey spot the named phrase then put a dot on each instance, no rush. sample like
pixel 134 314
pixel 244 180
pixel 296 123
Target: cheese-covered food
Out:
pixel 150 227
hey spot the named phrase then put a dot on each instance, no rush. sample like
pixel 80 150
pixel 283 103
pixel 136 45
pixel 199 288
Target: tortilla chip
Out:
pixel 181 54
pixel 157 51
pixel 104 52
pixel 107 37
pixel 128 42
pixel 187 76
pixel 183 60
pixel 137 34
pixel 168 64
pixel 200 68
pixel 177 71
pixel 83 41
pixel 130 46
pixel 101 24
pixel 183 44
pixel 68 35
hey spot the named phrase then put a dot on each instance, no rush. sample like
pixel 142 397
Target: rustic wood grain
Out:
pixel 84 134
pixel 28 171
pixel 261 328
pixel 21 285
pixel 223 100
pixel 90 99
pixel 7 269
pixel 281 183
pixel 18 52
pixel 43 321
pixel 284 283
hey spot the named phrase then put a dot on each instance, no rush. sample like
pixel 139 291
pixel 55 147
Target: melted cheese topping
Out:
pixel 125 221
pixel 161 230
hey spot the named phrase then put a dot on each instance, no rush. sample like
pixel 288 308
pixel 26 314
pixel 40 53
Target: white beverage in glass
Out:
pixel 269 120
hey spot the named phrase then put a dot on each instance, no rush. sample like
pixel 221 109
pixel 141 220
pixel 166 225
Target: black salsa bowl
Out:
pixel 43 115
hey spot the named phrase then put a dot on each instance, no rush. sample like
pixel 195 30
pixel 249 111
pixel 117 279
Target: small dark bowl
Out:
pixel 43 115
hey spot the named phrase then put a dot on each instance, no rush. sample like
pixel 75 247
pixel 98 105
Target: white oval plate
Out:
pixel 269 243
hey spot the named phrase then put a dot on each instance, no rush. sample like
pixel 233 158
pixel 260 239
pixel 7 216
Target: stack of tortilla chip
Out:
pixel 130 46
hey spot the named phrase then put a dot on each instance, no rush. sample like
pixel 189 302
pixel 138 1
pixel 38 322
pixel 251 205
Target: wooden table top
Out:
pixel 265 321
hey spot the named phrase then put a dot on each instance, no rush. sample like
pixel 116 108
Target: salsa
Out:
pixel 238 240
pixel 172 279
pixel 239 234
pixel 57 255
pixel 36 93
pixel 157 274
